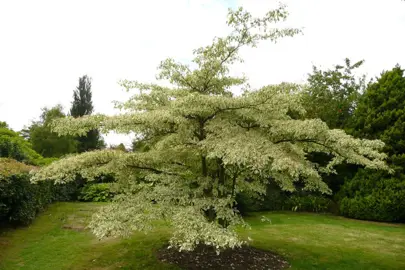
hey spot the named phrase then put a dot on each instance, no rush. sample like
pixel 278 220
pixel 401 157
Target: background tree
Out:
pixel 331 95
pixel 380 115
pixel 46 142
pixel 207 145
pixel 3 124
pixel 13 146
pixel 25 133
pixel 83 105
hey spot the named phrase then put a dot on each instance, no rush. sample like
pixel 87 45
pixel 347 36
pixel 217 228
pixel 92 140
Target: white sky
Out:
pixel 45 46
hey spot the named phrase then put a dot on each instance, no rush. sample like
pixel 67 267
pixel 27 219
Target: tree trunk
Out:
pixel 204 166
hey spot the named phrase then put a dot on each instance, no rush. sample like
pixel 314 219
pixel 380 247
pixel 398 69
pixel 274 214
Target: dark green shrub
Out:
pixel 278 200
pixel 20 201
pixel 67 192
pixel 373 196
pixel 246 204
pixel 310 203
pixel 76 190
pixel 100 192
pixel 382 205
pixel 274 200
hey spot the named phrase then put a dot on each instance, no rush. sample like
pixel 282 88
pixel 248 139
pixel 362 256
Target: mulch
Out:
pixel 204 257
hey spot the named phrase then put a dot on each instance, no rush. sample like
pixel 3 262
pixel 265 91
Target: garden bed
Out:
pixel 204 257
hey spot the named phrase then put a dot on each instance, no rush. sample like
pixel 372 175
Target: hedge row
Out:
pixel 20 200
pixel 373 196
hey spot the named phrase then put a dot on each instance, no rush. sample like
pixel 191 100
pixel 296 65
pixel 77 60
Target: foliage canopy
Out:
pixel 207 145
pixel 332 94
pixel 381 114
pixel 13 146
pixel 46 142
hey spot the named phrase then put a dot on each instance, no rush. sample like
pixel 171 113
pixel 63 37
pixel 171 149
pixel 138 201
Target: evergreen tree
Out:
pixel 381 113
pixel 83 105
pixel 208 145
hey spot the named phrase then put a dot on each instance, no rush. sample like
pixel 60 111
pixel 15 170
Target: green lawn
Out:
pixel 57 240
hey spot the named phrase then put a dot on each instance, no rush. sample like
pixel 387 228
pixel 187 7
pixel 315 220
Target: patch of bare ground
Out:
pixel 205 257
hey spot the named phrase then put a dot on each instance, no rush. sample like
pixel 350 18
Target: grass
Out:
pixel 312 241
pixel 58 240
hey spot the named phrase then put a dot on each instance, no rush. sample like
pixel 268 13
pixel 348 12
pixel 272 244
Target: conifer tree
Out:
pixel 83 105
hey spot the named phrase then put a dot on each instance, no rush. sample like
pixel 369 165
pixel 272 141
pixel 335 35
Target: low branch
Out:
pixel 152 170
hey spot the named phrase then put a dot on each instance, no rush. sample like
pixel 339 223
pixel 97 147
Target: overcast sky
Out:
pixel 45 46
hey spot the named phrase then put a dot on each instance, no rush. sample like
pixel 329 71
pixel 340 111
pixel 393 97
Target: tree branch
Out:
pixel 152 170
pixel 310 141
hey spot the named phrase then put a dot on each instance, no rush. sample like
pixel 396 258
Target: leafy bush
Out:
pixel 310 203
pixel 20 200
pixel 100 192
pixel 68 192
pixel 387 205
pixel 274 200
pixel 13 146
pixel 373 196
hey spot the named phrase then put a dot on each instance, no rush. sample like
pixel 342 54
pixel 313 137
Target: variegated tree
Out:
pixel 207 144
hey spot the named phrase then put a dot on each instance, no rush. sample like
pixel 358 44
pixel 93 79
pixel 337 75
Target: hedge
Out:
pixel 373 196
pixel 20 200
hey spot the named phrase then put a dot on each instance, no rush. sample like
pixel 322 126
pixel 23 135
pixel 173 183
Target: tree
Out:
pixel 380 114
pixel 207 145
pixel 332 94
pixel 82 105
pixel 46 142
pixel 13 146
pixel 25 133
pixel 3 124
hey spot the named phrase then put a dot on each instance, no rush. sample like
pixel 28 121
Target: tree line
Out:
pixel 371 109
pixel 48 143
